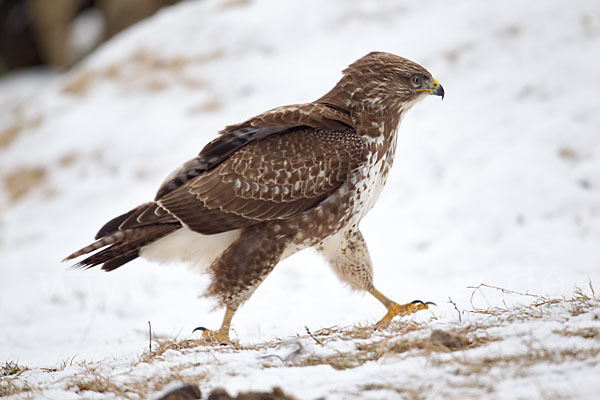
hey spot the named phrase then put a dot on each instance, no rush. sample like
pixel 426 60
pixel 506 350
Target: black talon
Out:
pixel 200 328
pixel 427 303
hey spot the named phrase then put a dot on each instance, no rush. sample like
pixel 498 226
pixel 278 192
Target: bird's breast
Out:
pixel 371 177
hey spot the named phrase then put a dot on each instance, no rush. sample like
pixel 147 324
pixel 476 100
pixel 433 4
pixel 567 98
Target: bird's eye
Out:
pixel 416 81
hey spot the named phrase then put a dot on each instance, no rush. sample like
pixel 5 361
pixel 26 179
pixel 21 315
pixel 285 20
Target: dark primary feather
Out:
pixel 113 225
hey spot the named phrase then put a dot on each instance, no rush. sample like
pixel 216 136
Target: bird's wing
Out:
pixel 179 195
pixel 276 177
pixel 233 137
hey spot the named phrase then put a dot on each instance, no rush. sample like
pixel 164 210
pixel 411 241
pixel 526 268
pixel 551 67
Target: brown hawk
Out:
pixel 290 178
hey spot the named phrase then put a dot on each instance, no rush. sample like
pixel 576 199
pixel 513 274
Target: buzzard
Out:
pixel 297 176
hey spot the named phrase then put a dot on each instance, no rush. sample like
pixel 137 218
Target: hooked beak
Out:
pixel 436 89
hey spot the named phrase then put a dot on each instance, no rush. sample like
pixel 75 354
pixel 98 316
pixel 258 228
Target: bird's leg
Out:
pixel 395 309
pixel 239 270
pixel 348 255
pixel 220 336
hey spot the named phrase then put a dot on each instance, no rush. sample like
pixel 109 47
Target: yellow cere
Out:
pixel 435 85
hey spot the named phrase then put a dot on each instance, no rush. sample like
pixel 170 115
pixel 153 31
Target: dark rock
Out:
pixel 275 394
pixel 449 340
pixel 187 392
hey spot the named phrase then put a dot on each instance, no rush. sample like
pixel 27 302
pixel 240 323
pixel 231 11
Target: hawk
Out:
pixel 294 177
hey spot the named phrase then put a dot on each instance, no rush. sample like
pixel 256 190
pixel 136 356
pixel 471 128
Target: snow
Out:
pixel 499 183
pixel 525 352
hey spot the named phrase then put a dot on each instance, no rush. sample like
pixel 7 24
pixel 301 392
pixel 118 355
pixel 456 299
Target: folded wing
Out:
pixel 275 178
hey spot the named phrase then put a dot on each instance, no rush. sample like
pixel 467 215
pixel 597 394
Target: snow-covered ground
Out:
pixel 499 183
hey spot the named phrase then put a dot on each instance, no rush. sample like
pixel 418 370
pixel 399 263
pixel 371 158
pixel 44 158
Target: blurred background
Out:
pixel 57 34
pixel 100 100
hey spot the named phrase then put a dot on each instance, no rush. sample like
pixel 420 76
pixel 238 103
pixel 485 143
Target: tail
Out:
pixel 122 238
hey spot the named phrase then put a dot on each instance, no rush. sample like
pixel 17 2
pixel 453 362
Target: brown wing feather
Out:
pixel 147 214
pixel 233 137
pixel 313 115
pixel 278 177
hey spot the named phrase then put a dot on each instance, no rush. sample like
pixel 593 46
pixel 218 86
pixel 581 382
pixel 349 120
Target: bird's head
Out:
pixel 383 82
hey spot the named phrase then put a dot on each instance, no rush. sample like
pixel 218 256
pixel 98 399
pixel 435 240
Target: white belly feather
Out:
pixel 194 249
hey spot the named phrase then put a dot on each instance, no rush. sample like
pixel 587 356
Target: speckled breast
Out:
pixel 349 204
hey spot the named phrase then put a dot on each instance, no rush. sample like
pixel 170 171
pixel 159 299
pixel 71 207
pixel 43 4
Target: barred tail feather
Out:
pixel 124 246
pixel 115 237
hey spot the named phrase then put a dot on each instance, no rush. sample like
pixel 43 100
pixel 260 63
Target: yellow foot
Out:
pixel 395 309
pixel 214 337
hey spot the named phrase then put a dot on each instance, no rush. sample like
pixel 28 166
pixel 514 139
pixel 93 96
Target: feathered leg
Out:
pixel 241 268
pixel 352 264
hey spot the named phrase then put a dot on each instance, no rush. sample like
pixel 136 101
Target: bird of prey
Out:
pixel 294 177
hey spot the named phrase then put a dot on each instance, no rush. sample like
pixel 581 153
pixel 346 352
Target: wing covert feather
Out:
pixel 274 178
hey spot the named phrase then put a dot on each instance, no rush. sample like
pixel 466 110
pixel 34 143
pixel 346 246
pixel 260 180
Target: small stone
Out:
pixel 186 392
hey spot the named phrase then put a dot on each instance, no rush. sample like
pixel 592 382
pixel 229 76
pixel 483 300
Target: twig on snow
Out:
pixel 312 336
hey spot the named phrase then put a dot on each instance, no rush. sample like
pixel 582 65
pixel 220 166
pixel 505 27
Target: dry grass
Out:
pixel 68 160
pixel 96 382
pixel 12 368
pixel 80 83
pixel 170 344
pixel 132 386
pixel 144 71
pixel 519 364
pixel 9 135
pixel 453 348
pixel 234 4
pixel 568 154
pixel 408 393
pixel 9 371
pixel 20 181
pixel 20 124
pixel 578 304
pixel 586 333
pixel 9 387
pixel 393 342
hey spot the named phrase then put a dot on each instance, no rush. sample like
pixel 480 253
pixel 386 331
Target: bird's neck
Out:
pixel 380 123
pixel 377 117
